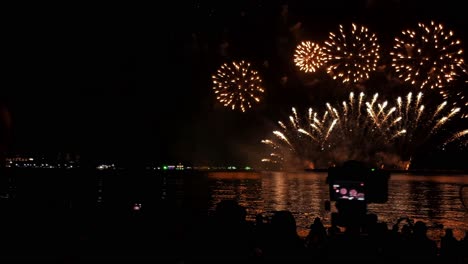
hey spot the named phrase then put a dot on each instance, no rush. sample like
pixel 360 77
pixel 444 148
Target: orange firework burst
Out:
pixel 351 56
pixel 237 85
pixel 308 56
pixel 428 56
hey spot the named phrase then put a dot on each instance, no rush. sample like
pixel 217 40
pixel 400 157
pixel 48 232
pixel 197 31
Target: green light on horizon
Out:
pixel 164 167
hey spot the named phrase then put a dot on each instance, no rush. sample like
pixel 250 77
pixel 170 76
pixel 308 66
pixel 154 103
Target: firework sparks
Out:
pixel 237 85
pixel 351 56
pixel 349 132
pixel 458 94
pixel 460 137
pixel 428 56
pixel 300 136
pixel 308 56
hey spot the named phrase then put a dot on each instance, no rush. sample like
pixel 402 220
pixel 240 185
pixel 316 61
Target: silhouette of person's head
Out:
pixel 420 229
pixel 317 221
pixel 317 226
pixel 317 230
pixel 406 230
pixel 449 232
pixel 284 222
pixel 230 212
pixel 372 218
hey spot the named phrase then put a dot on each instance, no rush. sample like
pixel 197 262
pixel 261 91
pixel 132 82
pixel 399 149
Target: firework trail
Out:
pixel 460 137
pixel 420 123
pixel 308 56
pixel 351 55
pixel 300 138
pixel 237 85
pixel 427 57
pixel 362 128
pixel 458 94
pixel 330 135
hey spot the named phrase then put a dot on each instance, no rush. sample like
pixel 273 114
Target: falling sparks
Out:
pixel 427 57
pixel 308 56
pixel 351 56
pixel 360 128
pixel 460 137
pixel 237 85
pixel 458 94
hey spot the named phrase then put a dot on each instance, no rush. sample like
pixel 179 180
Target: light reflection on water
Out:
pixel 432 199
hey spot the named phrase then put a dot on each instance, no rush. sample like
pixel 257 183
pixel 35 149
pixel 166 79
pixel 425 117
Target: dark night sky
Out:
pixel 132 82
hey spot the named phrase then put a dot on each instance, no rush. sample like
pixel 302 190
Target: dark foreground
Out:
pixel 47 217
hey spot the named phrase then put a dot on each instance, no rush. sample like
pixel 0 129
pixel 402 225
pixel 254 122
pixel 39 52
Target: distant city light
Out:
pixel 103 166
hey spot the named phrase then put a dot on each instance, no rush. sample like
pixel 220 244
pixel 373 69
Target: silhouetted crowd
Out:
pixel 228 237
pixel 30 234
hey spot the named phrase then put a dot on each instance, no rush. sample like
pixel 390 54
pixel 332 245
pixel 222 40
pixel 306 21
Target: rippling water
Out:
pixel 436 200
pixel 433 199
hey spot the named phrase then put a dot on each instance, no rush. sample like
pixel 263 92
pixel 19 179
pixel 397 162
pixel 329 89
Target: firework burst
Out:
pixel 308 56
pixel 237 85
pixel 362 128
pixel 300 138
pixel 351 55
pixel 427 57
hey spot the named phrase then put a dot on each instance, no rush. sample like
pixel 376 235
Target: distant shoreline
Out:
pixel 413 172
pixel 410 172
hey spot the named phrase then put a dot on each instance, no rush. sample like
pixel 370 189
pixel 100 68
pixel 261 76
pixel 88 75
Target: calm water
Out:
pixel 433 199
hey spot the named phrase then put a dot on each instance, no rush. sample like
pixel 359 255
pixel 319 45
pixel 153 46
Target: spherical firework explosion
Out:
pixel 237 85
pixel 361 129
pixel 351 56
pixel 308 56
pixel 427 57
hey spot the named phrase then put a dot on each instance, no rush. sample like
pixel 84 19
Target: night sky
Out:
pixel 132 83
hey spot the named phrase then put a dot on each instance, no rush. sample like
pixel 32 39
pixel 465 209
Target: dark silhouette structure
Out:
pixel 5 127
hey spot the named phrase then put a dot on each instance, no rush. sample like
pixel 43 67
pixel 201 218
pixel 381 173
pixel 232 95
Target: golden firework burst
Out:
pixel 308 56
pixel 428 56
pixel 237 85
pixel 351 54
